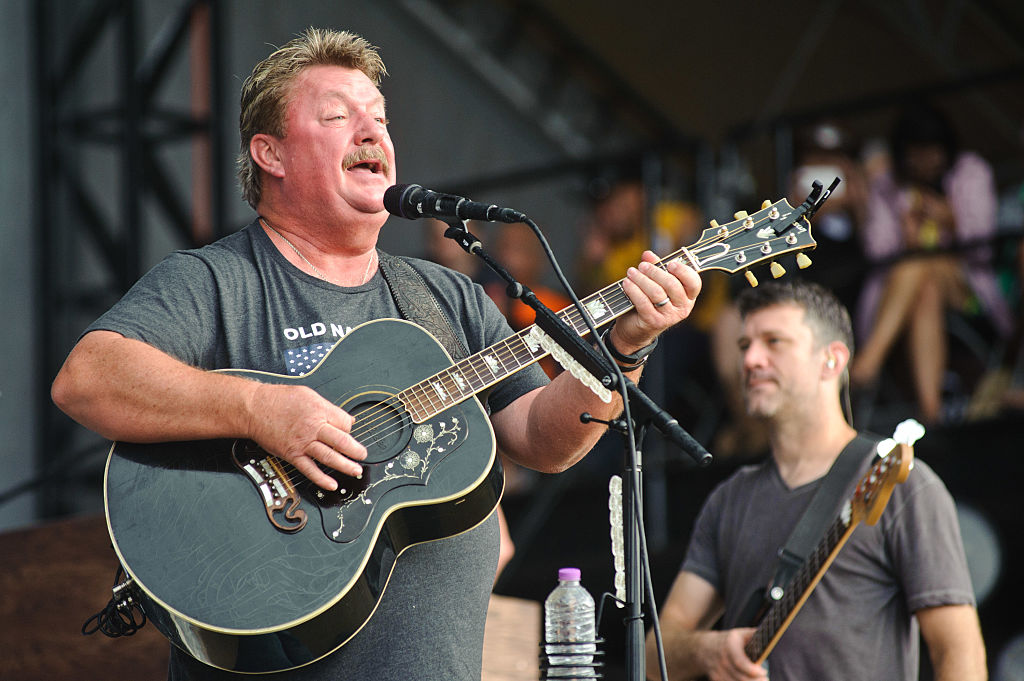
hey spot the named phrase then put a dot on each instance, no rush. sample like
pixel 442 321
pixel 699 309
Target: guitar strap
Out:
pixel 821 511
pixel 417 304
pixel 809 529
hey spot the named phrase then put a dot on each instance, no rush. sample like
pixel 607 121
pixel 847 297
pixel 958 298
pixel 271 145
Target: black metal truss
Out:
pixel 91 235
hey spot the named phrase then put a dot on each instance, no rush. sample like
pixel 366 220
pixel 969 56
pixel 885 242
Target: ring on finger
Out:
pixel 663 303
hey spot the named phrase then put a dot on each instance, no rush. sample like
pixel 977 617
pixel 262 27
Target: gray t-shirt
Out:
pixel 857 622
pixel 240 304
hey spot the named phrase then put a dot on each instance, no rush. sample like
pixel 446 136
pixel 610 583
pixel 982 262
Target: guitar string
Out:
pixel 501 350
pixel 768 628
pixel 394 424
pixel 574 319
pixel 782 608
pixel 420 392
pixel 512 351
pixel 833 537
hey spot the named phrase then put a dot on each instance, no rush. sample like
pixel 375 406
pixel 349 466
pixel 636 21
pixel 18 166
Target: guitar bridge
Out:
pixel 280 498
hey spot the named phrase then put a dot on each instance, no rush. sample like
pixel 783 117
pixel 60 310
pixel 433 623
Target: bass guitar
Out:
pixel 869 500
pixel 245 565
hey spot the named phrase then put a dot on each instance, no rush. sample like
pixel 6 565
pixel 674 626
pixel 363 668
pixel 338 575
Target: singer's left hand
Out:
pixel 662 299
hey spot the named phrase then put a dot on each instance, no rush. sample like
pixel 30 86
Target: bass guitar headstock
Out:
pixel 896 460
pixel 876 487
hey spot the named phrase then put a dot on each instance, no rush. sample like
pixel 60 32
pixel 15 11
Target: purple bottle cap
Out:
pixel 569 574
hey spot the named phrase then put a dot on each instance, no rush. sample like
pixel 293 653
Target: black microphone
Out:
pixel 412 201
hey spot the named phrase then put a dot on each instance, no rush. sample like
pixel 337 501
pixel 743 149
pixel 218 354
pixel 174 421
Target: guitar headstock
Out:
pixel 875 488
pixel 775 230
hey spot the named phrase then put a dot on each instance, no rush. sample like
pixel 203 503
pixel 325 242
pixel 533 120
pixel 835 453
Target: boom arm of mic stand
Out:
pixel 643 405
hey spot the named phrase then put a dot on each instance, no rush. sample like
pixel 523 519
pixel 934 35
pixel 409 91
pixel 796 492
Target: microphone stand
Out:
pixel 638 411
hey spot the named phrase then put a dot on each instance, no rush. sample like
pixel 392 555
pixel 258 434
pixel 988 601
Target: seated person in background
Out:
pixel 935 199
pixel 906 573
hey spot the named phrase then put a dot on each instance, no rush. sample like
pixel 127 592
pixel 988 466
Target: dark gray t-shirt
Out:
pixel 857 622
pixel 240 304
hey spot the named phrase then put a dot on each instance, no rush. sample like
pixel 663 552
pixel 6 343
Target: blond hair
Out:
pixel 265 92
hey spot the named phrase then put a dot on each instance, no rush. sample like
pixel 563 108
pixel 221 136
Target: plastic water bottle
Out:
pixel 569 629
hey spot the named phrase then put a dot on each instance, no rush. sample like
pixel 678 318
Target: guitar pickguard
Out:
pixel 347 511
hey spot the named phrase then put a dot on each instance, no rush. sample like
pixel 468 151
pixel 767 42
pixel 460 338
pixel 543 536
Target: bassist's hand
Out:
pixel 727 661
pixel 300 426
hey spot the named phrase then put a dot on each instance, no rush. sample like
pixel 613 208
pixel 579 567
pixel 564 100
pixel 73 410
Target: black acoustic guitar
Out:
pixel 245 565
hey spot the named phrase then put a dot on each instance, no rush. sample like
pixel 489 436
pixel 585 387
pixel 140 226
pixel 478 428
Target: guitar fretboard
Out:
pixel 866 505
pixel 496 363
pixel 774 621
pixel 732 247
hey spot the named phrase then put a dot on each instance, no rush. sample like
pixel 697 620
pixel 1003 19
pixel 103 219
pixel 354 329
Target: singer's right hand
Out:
pixel 299 425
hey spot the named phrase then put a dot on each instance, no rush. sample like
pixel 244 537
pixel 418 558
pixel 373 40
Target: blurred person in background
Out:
pixel 824 151
pixel 935 201
pixel 517 249
pixel 614 232
pixel 896 583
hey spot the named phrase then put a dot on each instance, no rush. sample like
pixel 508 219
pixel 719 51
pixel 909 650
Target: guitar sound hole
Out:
pixel 382 426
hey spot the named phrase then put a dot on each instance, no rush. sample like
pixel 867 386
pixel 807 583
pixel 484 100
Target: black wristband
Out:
pixel 627 362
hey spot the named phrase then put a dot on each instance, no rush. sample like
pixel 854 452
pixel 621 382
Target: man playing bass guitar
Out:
pixel 905 573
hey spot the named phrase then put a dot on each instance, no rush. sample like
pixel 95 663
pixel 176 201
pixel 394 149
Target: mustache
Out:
pixel 755 375
pixel 363 154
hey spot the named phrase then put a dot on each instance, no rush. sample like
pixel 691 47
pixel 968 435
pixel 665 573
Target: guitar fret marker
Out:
pixel 492 364
pixel 441 392
pixel 597 309
pixel 460 381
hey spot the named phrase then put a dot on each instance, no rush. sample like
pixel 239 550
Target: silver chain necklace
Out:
pixel 316 270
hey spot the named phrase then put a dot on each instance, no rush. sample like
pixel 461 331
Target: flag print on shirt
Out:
pixel 302 360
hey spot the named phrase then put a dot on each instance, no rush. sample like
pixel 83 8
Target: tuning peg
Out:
pixel 751 279
pixel 802 261
pixel 765 204
pixel 740 214
pixel 777 270
pixel 714 223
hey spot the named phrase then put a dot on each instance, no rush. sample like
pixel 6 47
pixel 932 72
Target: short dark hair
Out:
pixel 827 318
